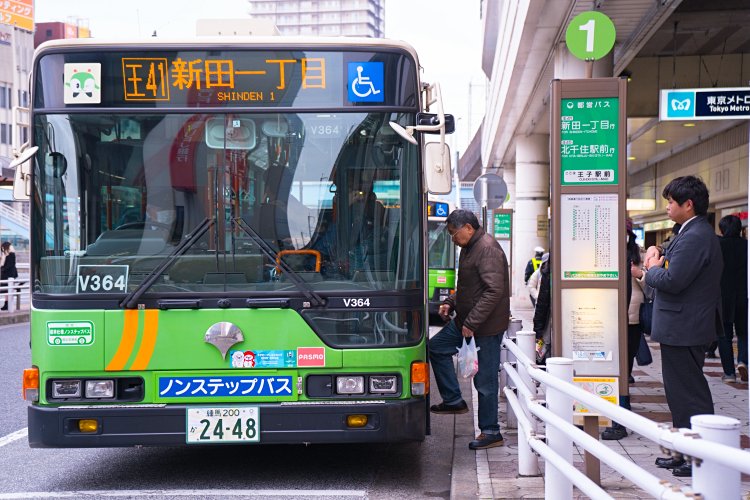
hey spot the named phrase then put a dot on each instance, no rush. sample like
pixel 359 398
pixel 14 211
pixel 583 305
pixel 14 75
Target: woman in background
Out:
pixel 8 269
pixel 733 298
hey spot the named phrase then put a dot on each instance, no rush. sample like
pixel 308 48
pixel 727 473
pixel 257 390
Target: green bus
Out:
pixel 211 261
pixel 441 255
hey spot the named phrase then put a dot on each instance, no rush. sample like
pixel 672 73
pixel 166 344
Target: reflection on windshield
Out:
pixel 335 196
pixel 440 249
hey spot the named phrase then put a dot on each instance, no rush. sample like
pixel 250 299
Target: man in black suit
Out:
pixel 687 306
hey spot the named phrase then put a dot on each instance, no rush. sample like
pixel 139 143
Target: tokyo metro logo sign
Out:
pixel 681 104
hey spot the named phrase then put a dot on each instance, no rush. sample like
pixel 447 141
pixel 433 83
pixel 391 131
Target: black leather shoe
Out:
pixel 484 441
pixel 444 409
pixel 669 462
pixel 614 433
pixel 684 470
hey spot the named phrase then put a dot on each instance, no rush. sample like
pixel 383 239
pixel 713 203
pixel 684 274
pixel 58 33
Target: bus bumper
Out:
pixel 289 423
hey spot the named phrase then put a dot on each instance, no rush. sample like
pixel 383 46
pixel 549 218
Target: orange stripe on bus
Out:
pixel 129 333
pixel 150 330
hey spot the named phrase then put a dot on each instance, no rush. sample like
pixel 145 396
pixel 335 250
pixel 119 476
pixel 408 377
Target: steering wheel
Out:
pixel 142 225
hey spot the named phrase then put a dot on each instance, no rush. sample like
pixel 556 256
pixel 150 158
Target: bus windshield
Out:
pixel 333 195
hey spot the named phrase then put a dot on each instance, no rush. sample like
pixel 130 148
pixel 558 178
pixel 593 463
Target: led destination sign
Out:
pixel 149 79
pixel 226 78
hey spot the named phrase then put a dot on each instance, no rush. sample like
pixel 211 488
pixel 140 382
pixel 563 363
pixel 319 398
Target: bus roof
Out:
pixel 230 42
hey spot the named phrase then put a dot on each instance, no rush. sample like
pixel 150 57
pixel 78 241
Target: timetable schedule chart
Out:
pixel 589 249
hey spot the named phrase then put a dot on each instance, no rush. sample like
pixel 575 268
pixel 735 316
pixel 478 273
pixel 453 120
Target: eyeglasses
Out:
pixel 454 233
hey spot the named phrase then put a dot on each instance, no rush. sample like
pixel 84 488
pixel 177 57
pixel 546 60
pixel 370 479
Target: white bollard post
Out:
pixel 511 421
pixel 528 463
pixel 11 295
pixel 525 341
pixel 716 429
pixel 556 485
pixel 514 326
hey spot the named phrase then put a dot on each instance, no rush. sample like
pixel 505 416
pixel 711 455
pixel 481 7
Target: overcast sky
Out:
pixel 446 33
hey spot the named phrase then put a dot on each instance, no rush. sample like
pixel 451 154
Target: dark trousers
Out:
pixel 739 327
pixel 685 385
pixel 634 342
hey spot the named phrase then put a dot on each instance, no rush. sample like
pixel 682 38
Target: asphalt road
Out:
pixel 416 470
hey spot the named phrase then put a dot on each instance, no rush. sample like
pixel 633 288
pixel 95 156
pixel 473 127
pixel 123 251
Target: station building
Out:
pixel 660 44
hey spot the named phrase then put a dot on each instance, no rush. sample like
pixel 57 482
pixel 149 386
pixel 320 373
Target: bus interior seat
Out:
pixel 271 222
pixel 376 276
pixel 195 268
pixel 130 242
pixel 231 278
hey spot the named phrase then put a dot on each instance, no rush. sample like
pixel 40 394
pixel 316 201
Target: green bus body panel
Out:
pixel 180 343
pixel 69 357
pixel 175 341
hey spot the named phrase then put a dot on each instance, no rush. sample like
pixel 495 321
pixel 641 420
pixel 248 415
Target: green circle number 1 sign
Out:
pixel 590 35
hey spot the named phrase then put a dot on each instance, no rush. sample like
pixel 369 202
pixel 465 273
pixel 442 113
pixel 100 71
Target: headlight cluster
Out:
pixel 94 389
pixel 117 389
pixel 376 384
pixel 366 385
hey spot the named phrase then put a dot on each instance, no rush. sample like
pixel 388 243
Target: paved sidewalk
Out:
pixel 497 468
pixel 19 316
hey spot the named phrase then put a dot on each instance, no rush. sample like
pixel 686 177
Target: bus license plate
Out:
pixel 211 424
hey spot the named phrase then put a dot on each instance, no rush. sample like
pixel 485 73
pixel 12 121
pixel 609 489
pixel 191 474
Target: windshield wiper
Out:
pixel 309 293
pixel 131 299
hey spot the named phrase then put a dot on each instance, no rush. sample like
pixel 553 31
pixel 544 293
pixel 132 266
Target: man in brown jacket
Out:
pixel 482 307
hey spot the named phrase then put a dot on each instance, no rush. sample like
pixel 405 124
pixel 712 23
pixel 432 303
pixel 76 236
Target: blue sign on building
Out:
pixel 705 104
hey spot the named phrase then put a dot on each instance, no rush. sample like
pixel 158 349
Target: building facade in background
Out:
pixel 19 36
pixel 16 50
pixel 59 30
pixel 323 17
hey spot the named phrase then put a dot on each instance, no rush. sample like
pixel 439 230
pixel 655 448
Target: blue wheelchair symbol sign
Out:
pixel 441 210
pixel 365 82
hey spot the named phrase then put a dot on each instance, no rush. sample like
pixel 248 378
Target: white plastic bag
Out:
pixel 468 361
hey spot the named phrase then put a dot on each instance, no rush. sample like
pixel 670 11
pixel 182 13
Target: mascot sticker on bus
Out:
pixel 82 83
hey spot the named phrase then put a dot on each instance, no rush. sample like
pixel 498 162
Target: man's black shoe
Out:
pixel 684 470
pixel 444 409
pixel 614 433
pixel 484 441
pixel 669 462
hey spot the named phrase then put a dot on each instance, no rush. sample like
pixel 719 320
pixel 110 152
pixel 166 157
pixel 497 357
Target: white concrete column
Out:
pixel 509 176
pixel 531 201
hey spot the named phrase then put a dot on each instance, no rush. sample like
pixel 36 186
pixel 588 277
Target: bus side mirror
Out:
pixel 437 167
pixel 431 119
pixel 22 175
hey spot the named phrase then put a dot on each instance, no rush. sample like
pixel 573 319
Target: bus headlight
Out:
pixel 350 384
pixel 100 389
pixel 66 389
pixel 383 384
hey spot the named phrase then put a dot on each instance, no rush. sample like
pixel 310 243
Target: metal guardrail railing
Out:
pixel 712 445
pixel 17 216
pixel 16 291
